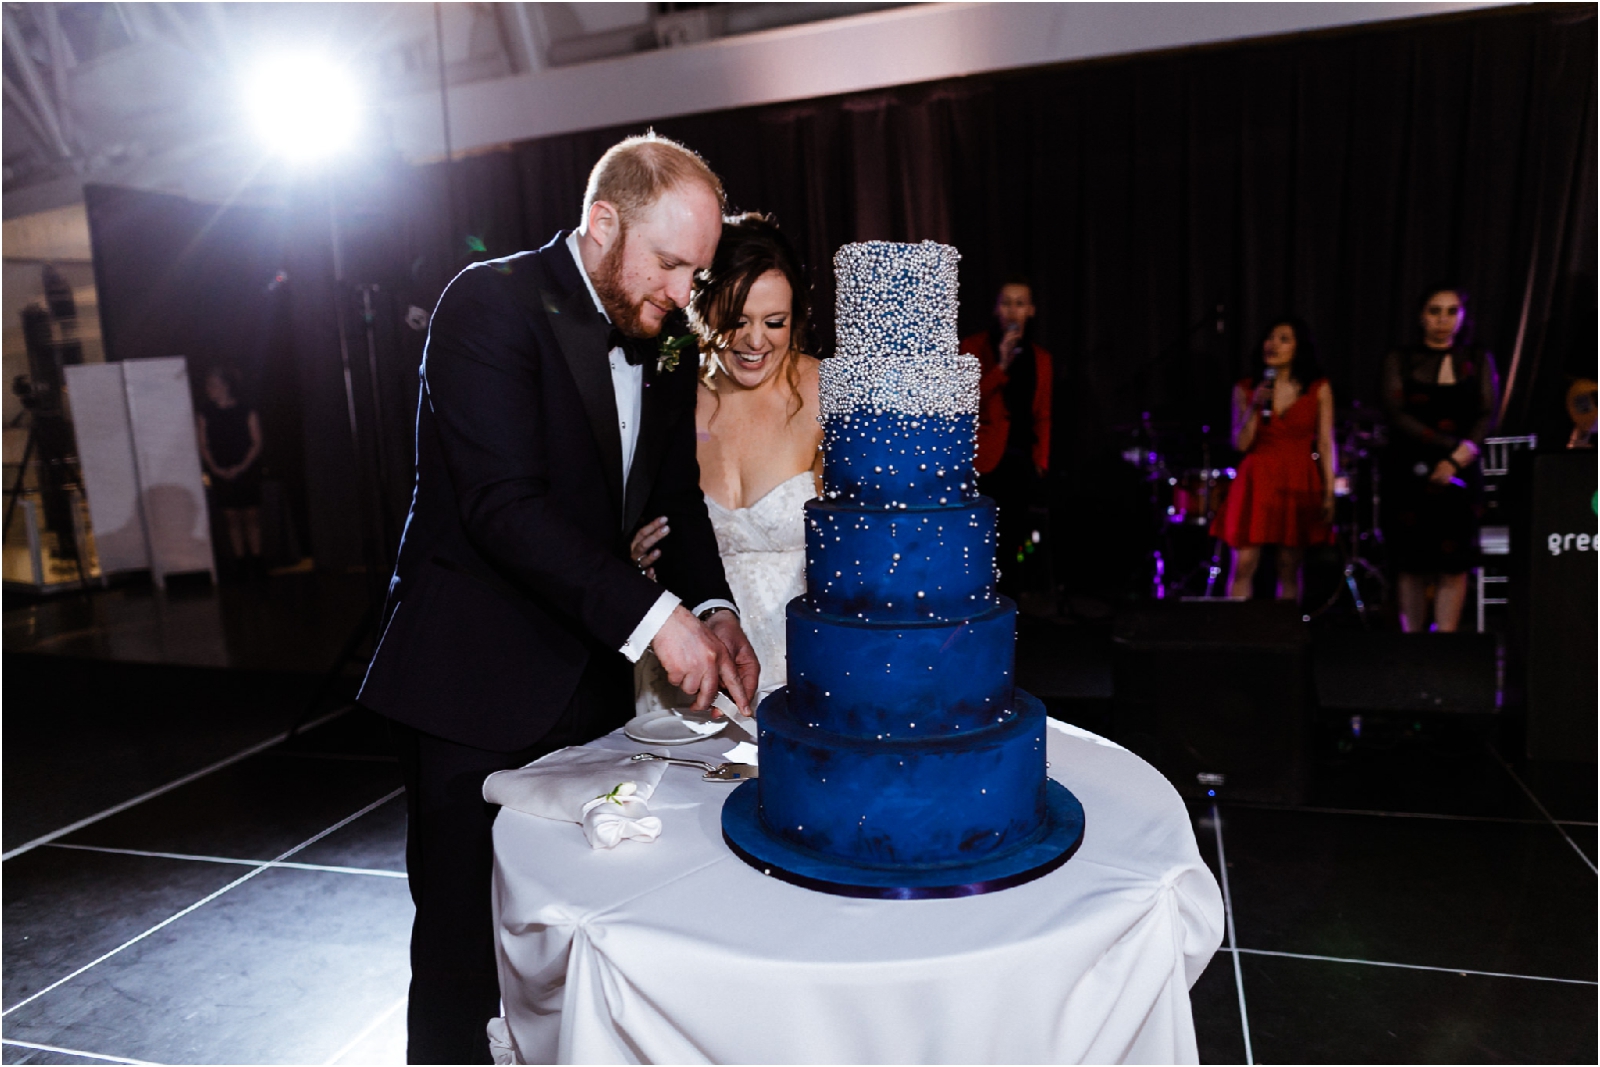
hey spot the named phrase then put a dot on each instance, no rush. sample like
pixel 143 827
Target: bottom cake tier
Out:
pixel 942 816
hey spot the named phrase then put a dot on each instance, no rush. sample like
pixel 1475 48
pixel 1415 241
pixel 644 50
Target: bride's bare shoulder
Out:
pixel 808 367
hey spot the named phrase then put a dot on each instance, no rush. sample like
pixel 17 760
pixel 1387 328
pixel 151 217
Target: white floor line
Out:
pixel 1233 941
pixel 1402 814
pixel 376 872
pixel 367 1030
pixel 169 787
pixel 1416 967
pixel 208 898
pixel 67 1051
pixel 1587 862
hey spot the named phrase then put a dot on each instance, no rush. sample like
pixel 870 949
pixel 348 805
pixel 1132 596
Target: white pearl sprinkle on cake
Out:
pixel 896 316
pixel 905 385
pixel 896 299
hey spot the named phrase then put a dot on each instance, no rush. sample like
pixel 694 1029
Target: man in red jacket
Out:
pixel 1013 421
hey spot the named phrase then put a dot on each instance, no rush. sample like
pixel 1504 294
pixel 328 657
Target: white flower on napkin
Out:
pixel 617 816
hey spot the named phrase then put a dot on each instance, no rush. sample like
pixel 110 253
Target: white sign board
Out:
pixel 141 466
pixel 105 458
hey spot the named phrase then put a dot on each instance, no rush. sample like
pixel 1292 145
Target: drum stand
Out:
pixel 1355 565
pixel 1214 571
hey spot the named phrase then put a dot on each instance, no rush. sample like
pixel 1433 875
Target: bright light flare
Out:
pixel 305 107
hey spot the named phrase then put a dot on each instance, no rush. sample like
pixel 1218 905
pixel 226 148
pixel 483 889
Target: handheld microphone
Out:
pixel 1268 377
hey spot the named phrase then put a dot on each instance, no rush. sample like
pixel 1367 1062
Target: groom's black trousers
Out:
pixel 455 988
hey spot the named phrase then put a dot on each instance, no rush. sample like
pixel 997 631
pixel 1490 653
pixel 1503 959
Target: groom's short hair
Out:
pixel 635 172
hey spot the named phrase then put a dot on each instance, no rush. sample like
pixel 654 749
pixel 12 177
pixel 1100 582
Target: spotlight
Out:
pixel 305 107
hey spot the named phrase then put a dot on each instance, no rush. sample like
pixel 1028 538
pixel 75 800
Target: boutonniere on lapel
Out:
pixel 672 351
pixel 676 336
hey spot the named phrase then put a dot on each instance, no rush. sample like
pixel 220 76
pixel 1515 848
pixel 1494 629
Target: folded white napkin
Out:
pixel 604 792
pixel 617 816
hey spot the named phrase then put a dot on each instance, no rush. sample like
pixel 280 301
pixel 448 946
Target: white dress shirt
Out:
pixel 627 383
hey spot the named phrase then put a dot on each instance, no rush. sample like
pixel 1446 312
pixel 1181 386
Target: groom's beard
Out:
pixel 608 286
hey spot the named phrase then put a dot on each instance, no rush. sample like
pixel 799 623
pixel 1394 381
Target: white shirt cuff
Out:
pixel 649 626
pixel 706 605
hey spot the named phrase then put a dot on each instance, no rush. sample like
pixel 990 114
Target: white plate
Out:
pixel 666 730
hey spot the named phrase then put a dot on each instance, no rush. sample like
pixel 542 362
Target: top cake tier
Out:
pixel 896 299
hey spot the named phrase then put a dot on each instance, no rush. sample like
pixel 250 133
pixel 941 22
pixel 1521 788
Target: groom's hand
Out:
pixel 725 624
pixel 697 661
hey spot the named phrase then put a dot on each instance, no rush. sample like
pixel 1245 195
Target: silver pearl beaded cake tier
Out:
pixel 896 316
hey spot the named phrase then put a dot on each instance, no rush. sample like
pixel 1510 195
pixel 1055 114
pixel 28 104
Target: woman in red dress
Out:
pixel 1283 423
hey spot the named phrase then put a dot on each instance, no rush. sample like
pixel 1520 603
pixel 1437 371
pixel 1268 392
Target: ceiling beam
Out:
pixel 532 47
pixel 186 35
pixel 38 96
pixel 61 60
pixel 19 100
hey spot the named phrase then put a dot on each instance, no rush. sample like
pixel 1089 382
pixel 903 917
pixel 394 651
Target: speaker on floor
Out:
pixel 1214 694
pixel 1374 671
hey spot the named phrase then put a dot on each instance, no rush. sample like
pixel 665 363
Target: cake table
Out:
pixel 678 952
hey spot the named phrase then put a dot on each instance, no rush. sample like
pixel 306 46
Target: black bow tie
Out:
pixel 634 349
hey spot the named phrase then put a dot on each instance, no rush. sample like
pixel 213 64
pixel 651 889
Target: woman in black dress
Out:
pixel 230 447
pixel 1440 397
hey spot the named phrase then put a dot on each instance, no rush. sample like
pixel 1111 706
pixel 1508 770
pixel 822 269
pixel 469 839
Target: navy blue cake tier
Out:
pixel 889 460
pixel 901 761
pixel 860 562
pixel 895 680
pixel 905 801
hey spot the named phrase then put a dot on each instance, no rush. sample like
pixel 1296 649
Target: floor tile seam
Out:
pixel 1416 967
pixel 208 898
pixel 67 1051
pixel 375 872
pixel 1233 941
pixel 1296 809
pixel 367 1031
pixel 176 783
pixel 1515 777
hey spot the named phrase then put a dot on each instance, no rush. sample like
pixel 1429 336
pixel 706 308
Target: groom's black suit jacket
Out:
pixel 514 578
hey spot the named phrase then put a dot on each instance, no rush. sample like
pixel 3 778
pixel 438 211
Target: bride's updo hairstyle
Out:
pixel 751 245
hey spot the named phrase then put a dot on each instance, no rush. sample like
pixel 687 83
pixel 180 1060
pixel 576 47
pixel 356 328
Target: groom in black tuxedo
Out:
pixel 550 421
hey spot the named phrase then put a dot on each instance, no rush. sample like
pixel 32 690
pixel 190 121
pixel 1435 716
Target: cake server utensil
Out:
pixel 714 772
pixel 732 772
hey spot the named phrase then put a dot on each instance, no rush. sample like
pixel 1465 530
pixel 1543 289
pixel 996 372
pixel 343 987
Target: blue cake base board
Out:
pixel 750 840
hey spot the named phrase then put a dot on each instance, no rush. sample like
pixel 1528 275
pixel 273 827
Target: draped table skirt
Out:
pixel 678 952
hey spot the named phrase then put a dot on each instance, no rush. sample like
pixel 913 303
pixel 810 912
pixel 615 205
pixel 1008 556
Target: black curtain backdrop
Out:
pixel 179 278
pixel 1165 207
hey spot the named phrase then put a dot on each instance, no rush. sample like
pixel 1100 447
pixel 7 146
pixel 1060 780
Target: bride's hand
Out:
pixel 643 551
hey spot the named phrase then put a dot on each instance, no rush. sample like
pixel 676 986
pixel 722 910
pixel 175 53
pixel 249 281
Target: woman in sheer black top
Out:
pixel 1440 397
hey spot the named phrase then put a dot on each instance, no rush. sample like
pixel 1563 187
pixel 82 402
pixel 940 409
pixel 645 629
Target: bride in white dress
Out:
pixel 760 442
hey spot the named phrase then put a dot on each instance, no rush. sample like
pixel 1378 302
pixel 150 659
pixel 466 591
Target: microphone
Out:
pixel 1268 377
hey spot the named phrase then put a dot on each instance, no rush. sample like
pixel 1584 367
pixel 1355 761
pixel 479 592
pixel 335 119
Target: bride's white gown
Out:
pixel 763 550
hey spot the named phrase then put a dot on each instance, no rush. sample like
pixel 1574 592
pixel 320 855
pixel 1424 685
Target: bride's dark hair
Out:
pixel 751 245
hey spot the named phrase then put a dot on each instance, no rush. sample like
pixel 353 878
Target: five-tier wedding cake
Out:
pixel 901 760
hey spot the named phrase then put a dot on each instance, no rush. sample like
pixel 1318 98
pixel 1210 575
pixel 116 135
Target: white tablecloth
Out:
pixel 678 952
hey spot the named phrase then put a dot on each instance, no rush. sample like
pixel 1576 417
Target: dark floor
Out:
pixel 181 886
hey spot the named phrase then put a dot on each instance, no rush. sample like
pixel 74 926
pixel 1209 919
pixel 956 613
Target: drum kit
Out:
pixel 1188 484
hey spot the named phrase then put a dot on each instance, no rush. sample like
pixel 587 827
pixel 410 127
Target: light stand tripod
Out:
pixel 374 517
pixel 50 440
